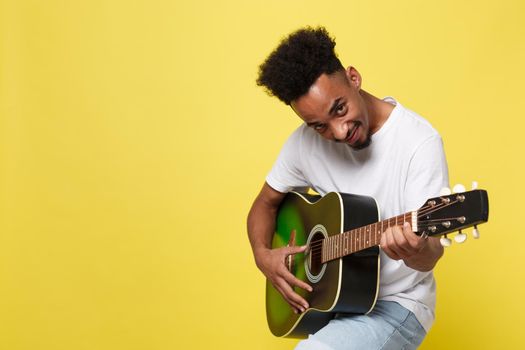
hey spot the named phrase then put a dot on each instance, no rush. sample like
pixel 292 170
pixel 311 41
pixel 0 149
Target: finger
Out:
pixel 294 249
pixel 280 286
pixel 391 254
pixel 293 296
pixel 294 281
pixel 387 245
pixel 415 241
pixel 402 245
pixel 295 307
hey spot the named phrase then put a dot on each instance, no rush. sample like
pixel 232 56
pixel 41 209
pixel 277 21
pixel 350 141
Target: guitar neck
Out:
pixel 346 243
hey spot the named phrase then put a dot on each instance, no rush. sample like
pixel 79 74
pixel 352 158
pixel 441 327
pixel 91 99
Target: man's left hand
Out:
pixel 419 253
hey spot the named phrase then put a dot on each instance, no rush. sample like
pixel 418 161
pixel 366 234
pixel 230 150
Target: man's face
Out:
pixel 335 109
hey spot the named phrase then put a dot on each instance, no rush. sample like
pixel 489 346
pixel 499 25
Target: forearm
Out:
pixel 261 225
pixel 261 220
pixel 427 258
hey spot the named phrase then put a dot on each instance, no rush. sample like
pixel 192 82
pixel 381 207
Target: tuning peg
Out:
pixel 445 191
pixel 458 188
pixel 475 232
pixel 445 241
pixel 474 185
pixel 460 237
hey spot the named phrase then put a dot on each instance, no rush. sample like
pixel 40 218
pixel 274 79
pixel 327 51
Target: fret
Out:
pixel 381 229
pixel 334 246
pixel 331 248
pixel 360 233
pixel 337 246
pixel 340 245
pixel 363 231
pixel 336 243
pixel 334 255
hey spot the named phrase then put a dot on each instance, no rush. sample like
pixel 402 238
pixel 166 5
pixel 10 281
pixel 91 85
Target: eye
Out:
pixel 320 127
pixel 341 109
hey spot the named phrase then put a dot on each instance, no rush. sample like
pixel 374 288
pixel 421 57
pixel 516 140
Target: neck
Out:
pixel 346 243
pixel 378 110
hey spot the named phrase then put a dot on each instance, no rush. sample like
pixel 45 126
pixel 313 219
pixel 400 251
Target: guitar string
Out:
pixel 353 233
pixel 318 245
pixel 422 212
pixel 317 252
pixel 437 207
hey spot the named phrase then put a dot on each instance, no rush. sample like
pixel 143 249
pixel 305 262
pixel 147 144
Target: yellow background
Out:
pixel 133 140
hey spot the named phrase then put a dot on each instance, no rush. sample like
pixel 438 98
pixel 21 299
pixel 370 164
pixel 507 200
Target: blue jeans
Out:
pixel 388 326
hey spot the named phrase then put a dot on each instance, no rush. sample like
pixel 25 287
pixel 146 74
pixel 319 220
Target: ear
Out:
pixel 353 77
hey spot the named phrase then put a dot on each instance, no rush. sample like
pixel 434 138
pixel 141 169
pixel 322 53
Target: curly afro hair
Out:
pixel 297 62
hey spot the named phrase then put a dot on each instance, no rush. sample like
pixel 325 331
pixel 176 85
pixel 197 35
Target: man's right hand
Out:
pixel 272 264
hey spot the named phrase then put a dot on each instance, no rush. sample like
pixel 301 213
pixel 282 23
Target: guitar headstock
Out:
pixel 453 212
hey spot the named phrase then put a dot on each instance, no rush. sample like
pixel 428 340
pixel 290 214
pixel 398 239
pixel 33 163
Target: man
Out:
pixel 352 142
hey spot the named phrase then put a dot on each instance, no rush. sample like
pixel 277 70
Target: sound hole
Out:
pixel 315 258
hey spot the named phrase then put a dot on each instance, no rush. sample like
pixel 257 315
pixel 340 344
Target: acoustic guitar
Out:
pixel 341 263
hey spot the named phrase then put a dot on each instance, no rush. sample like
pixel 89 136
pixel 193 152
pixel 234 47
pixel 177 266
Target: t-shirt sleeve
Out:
pixel 286 173
pixel 427 173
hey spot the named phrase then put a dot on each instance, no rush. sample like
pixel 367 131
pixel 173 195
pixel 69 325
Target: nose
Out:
pixel 339 130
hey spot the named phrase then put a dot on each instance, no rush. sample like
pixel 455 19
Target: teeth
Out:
pixel 353 132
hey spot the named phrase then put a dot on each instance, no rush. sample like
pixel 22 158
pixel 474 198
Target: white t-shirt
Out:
pixel 403 166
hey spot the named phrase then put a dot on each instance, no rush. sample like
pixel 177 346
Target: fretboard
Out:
pixel 361 238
